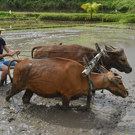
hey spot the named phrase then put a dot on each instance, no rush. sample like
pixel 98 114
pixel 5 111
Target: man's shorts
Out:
pixel 4 62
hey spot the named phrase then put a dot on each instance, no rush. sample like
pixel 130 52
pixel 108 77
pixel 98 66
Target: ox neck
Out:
pixel 99 80
pixel 107 62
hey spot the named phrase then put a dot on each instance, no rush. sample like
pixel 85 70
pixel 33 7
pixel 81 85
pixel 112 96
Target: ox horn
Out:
pixel 97 47
pixel 112 47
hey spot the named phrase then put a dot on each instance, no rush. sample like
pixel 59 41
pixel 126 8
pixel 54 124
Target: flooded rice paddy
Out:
pixel 109 115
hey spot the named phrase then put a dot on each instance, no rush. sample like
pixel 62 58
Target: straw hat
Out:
pixel 1 29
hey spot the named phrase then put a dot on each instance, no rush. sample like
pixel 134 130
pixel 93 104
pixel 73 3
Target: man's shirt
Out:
pixel 2 44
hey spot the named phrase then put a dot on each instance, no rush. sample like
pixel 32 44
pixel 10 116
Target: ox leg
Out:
pixel 93 92
pixel 88 100
pixel 65 103
pixel 11 93
pixel 27 96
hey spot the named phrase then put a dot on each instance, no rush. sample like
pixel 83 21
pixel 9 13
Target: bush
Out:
pixel 124 5
pixel 65 5
pixel 128 18
pixel 7 15
pixel 32 15
pixel 112 17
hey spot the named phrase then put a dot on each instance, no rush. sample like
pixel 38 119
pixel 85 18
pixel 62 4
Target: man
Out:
pixel 4 63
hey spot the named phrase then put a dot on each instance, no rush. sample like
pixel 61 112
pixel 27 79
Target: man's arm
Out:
pixel 6 54
pixel 8 50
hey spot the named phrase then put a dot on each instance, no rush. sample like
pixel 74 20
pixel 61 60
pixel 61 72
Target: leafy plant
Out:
pixel 90 8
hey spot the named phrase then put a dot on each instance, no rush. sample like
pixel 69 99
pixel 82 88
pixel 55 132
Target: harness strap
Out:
pixel 114 84
pixel 90 82
pixel 103 84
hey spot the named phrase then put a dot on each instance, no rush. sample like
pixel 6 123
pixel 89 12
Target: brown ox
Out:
pixel 114 58
pixel 59 77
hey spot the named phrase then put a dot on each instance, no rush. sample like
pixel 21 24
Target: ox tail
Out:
pixel 32 51
pixel 9 68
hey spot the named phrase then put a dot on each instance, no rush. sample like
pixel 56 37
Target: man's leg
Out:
pixel 4 73
pixel 6 62
pixel 4 68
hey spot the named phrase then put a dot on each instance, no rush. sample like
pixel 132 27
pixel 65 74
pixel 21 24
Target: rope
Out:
pixel 25 55
pixel 63 51
pixel 17 56
pixel 47 51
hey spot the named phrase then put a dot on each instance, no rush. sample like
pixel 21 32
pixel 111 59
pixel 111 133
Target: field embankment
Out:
pixel 123 17
pixel 30 20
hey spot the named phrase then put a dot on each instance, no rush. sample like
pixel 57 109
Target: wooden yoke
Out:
pixel 89 67
pixel 90 83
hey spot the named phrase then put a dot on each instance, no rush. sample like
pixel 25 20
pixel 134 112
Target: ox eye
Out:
pixel 120 83
pixel 123 60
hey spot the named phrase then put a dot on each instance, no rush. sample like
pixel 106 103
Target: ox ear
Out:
pixel 115 77
pixel 116 80
pixel 119 51
pixel 109 48
pixel 97 47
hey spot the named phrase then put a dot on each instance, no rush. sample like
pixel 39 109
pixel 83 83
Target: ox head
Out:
pixel 115 85
pixel 118 59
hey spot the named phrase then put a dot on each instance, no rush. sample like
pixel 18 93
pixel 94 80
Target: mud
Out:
pixel 108 114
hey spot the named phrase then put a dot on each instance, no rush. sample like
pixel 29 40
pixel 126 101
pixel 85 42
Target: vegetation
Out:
pixel 108 6
pixel 6 15
pixel 127 18
pixel 67 10
pixel 122 17
pixel 37 20
pixel 90 8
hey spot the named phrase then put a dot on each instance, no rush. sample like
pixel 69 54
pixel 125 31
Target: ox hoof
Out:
pixel 84 108
pixel 64 108
pixel 7 99
pixel 26 102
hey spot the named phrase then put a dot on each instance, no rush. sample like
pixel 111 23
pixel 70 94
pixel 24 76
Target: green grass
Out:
pixel 4 15
pixel 125 18
pixel 30 20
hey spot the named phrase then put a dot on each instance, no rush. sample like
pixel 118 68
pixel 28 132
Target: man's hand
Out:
pixel 14 52
pixel 11 53
pixel 17 52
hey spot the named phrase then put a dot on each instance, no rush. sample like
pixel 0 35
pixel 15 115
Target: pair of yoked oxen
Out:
pixel 55 71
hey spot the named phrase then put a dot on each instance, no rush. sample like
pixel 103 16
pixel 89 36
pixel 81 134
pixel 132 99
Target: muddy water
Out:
pixel 109 115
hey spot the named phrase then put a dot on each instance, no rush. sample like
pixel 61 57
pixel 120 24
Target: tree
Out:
pixel 91 8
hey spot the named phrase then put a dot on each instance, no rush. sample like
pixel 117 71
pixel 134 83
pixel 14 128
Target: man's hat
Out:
pixel 1 29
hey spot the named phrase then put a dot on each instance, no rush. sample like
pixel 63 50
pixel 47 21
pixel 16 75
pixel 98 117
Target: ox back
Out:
pixel 52 77
pixel 53 74
pixel 114 58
